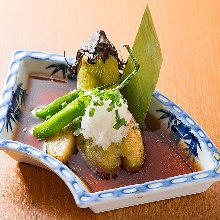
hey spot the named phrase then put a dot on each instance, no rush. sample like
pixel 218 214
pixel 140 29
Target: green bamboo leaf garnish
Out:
pixel 147 51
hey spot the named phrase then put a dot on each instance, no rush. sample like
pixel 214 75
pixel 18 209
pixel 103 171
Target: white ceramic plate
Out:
pixel 188 131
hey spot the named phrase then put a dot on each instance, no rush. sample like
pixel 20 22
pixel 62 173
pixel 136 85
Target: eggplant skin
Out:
pixel 98 74
pixel 129 154
pixel 61 145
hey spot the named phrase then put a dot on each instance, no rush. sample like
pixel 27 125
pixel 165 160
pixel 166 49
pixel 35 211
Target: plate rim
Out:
pixel 82 197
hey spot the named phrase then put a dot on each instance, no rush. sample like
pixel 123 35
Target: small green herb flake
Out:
pixel 98 101
pixel 91 112
pixel 118 103
pixel 77 123
pixel 119 121
pixel 109 109
pixel 82 142
pixel 135 126
pixel 101 103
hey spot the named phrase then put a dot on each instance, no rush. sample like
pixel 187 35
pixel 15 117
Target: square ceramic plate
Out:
pixel 182 125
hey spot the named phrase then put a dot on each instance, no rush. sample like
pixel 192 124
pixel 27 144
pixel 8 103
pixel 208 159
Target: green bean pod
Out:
pixel 57 105
pixel 61 119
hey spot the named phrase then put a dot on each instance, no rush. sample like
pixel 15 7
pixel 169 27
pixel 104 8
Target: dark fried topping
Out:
pixel 97 45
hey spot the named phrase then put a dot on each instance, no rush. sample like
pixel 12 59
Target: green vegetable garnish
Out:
pixel 119 121
pixel 47 111
pixel 76 123
pixel 82 142
pixel 77 107
pixel 146 49
pixel 91 112
pixel 61 119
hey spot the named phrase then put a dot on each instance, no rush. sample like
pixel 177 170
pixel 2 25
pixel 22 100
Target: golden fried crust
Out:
pixel 132 148
pixel 105 159
pixel 61 145
pixel 130 152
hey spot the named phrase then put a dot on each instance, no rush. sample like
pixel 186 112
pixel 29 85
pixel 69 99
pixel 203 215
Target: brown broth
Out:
pixel 40 92
pixel 161 161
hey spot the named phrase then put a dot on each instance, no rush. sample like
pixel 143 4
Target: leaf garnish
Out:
pixel 146 49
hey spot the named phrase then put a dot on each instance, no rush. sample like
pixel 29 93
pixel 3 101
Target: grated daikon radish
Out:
pixel 101 125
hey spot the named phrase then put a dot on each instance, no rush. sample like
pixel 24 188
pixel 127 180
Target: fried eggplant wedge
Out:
pixel 61 145
pixel 109 159
pixel 97 64
pixel 129 154
pixel 132 148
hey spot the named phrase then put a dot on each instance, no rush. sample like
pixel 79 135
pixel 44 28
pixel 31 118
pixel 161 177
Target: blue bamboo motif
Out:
pixel 182 132
pixel 14 110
